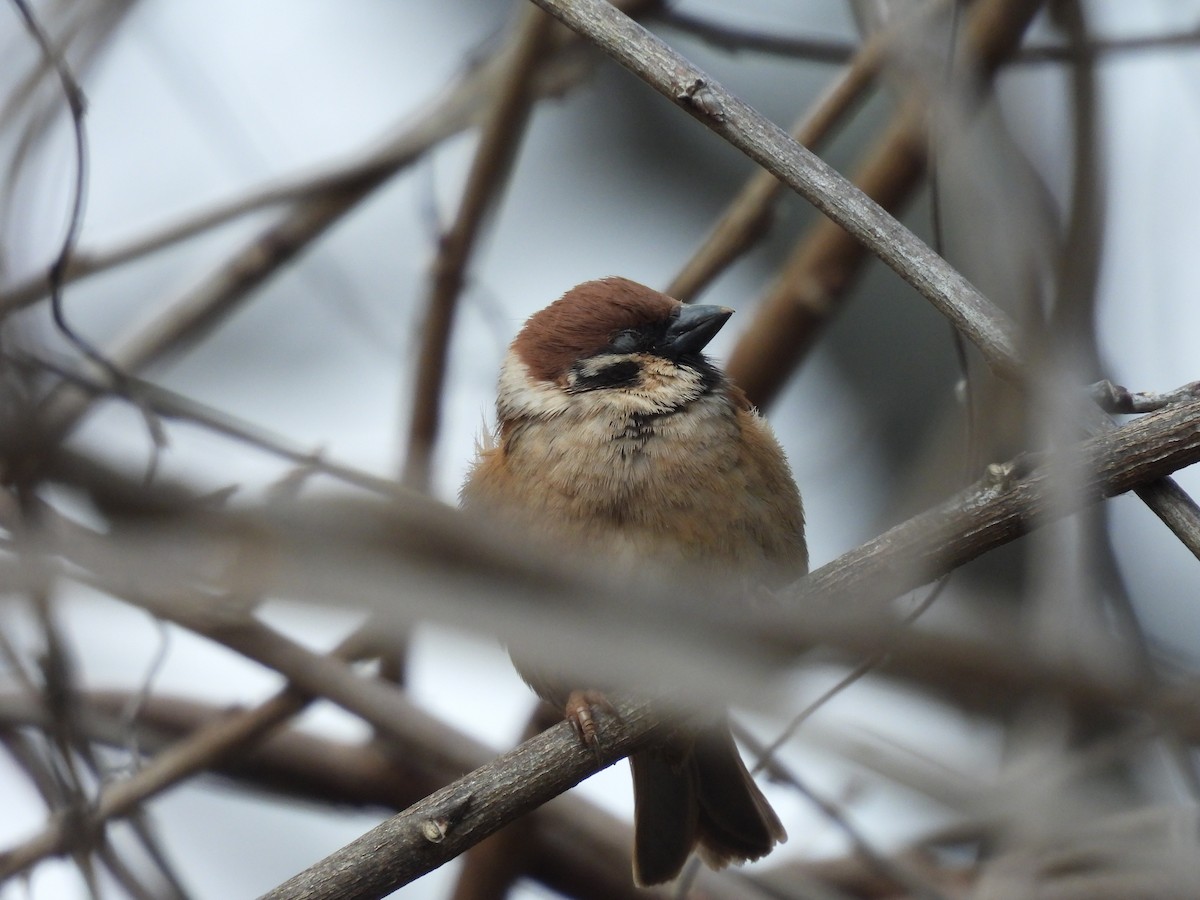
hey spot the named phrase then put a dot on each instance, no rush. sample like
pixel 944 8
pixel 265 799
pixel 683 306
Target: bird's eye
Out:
pixel 625 341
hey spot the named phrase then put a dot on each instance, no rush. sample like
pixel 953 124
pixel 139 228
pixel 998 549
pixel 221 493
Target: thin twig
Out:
pixel 202 750
pixel 494 157
pixel 767 756
pixel 333 180
pixel 76 106
pixel 911 881
pixel 734 38
pixel 172 405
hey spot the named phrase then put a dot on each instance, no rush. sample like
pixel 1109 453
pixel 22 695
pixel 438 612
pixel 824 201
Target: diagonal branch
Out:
pixel 985 325
pixel 457 817
pixel 663 69
pixel 746 218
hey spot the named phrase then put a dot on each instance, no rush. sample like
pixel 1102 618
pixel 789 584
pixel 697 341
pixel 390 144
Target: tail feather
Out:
pixel 665 816
pixel 736 823
pixel 698 796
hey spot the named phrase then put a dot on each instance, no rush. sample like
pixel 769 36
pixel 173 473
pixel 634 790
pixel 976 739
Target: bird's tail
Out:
pixel 697 795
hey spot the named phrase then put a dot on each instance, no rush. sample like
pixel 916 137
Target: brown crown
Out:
pixel 583 322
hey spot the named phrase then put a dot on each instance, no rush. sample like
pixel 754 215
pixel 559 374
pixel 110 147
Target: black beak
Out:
pixel 693 328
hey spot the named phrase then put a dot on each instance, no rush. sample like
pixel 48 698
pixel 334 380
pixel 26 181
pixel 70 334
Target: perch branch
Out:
pixel 458 816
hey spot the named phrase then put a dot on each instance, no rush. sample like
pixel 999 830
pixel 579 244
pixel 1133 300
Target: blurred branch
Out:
pixel 411 733
pixel 187 319
pixel 731 37
pixel 452 113
pixel 747 217
pixel 911 879
pixel 172 405
pixel 1182 40
pixel 576 848
pixel 734 38
pixel 574 615
pixel 207 748
pixel 491 166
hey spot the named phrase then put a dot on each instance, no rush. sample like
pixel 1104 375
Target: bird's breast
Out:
pixel 707 483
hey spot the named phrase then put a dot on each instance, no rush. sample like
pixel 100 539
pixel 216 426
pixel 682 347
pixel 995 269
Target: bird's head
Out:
pixel 608 347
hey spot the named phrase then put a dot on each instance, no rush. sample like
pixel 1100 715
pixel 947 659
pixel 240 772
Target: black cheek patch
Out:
pixel 619 374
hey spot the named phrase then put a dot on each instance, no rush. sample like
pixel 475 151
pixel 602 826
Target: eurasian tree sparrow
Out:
pixel 615 432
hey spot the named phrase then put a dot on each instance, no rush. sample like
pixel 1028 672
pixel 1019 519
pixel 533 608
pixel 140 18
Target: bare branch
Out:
pixel 204 749
pixel 172 405
pixel 731 37
pixel 816 279
pixel 576 848
pixel 747 217
pixel 1010 501
pixel 502 132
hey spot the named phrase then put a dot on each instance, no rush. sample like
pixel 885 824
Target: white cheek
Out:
pixel 520 394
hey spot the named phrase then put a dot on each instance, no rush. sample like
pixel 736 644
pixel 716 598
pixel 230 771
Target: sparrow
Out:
pixel 616 433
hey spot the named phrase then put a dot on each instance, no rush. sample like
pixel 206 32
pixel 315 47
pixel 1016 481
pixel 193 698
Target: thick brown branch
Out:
pixel 745 220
